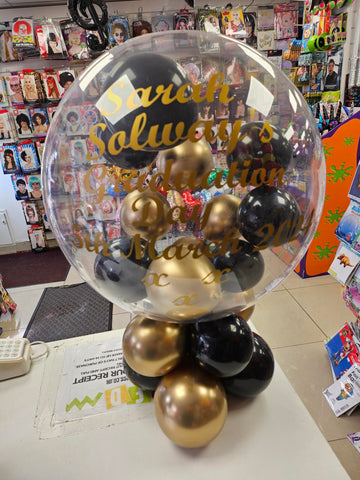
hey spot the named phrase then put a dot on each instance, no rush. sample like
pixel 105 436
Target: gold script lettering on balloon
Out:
pixel 145 97
pixel 161 180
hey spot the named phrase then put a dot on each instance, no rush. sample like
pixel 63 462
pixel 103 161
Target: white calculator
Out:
pixel 15 359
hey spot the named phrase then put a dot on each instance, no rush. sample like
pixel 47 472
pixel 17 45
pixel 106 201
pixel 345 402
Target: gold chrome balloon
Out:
pixel 190 407
pixel 183 288
pixel 145 213
pixel 153 348
pixel 219 216
pixel 190 162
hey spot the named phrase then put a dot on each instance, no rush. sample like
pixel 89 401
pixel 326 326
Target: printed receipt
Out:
pixel 93 382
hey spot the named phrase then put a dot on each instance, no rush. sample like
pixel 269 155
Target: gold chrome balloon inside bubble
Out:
pixel 190 407
pixel 219 216
pixel 153 348
pixel 190 161
pixel 145 213
pixel 186 288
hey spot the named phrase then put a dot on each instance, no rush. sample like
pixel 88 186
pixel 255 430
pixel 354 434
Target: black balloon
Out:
pixel 243 269
pixel 269 216
pixel 146 383
pixel 256 376
pixel 261 146
pixel 122 276
pixel 134 105
pixel 128 158
pixel 223 347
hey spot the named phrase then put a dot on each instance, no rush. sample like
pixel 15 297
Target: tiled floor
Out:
pixel 294 319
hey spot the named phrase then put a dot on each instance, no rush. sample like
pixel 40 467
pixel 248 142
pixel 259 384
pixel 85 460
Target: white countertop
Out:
pixel 272 436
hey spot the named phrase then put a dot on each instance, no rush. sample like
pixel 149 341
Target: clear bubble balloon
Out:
pixel 177 198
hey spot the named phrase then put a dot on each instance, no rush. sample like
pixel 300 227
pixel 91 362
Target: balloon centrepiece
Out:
pixel 195 203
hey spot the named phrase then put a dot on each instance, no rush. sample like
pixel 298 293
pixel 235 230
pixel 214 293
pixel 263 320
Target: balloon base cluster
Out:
pixel 192 368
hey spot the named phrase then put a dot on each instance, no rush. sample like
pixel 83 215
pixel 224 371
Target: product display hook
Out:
pixel 84 14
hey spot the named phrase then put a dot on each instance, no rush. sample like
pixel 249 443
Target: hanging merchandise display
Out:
pixel 233 23
pixel 286 20
pixel 37 239
pixel 140 26
pixel 23 37
pixel 10 158
pixel 162 22
pixel 32 87
pixel 50 40
pixel 119 29
pixel 4 101
pixel 208 20
pixel 14 89
pixel 184 20
pixel 75 41
pixel 7 50
pixel 7 127
pixel 182 199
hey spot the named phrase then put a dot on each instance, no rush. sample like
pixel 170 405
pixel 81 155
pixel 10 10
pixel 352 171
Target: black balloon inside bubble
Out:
pixel 146 105
pixel 142 381
pixel 269 216
pixel 257 375
pixel 241 270
pixel 128 158
pixel 121 271
pixel 223 347
pixel 261 145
